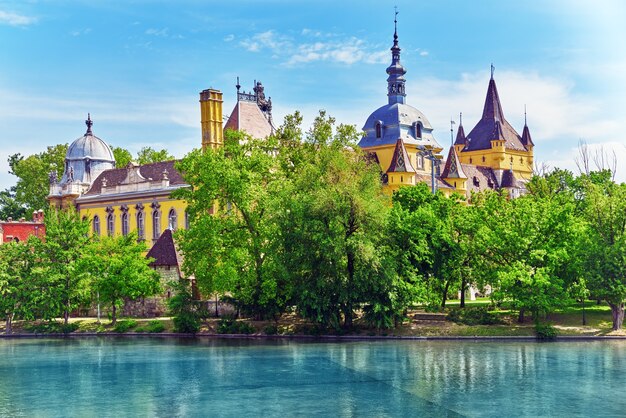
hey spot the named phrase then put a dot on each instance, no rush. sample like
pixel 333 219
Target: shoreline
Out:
pixel 325 338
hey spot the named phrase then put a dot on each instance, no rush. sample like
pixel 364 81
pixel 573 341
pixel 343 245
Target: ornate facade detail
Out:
pixel 155 205
pixel 109 209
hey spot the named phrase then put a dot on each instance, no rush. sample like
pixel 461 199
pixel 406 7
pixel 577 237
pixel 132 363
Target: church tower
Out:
pixel 399 137
pixel 211 118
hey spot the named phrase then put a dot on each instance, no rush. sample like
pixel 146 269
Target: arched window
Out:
pixel 140 226
pixel 483 158
pixel 110 225
pixel 172 220
pixel 96 225
pixel 379 130
pixel 418 130
pixel 420 161
pixel 124 223
pixel 156 224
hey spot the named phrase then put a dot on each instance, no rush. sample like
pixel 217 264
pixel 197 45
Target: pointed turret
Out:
pixel 395 81
pixel 526 139
pixel 453 168
pixel 460 133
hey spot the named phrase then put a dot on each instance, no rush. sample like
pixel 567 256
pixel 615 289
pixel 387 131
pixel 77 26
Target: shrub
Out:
pixel 124 325
pixel 270 329
pixel 183 309
pixel 232 326
pixel 155 326
pixel 474 315
pixel 545 332
pixel 53 327
pixel 186 322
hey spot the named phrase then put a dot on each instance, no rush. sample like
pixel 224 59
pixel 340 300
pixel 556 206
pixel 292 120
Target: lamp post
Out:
pixel 428 153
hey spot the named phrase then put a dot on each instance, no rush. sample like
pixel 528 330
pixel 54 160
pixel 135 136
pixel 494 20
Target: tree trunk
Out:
pixel 463 284
pixel 9 324
pixel 217 314
pixel 66 316
pixel 445 294
pixel 520 318
pixel 114 315
pixel 348 311
pixel 584 316
pixel 617 311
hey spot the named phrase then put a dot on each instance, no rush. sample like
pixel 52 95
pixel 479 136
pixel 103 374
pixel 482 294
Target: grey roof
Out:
pixel 86 158
pixel 397 121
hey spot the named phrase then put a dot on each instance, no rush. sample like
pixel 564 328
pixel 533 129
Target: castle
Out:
pixel 400 139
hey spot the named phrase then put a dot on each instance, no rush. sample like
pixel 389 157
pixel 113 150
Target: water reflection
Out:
pixel 188 377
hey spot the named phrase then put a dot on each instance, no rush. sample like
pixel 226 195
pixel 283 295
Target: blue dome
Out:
pixel 398 121
pixel 86 158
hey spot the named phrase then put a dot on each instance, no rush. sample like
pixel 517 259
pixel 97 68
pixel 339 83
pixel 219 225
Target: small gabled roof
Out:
pixel 400 162
pixel 164 251
pixel 453 168
pixel 247 117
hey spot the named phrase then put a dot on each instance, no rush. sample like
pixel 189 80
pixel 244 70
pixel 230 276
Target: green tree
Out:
pixel 603 246
pixel 67 236
pixel 530 244
pixel 333 227
pixel 18 290
pixel 122 156
pixel 33 175
pixel 232 250
pixel 9 206
pixel 119 271
pixel 148 155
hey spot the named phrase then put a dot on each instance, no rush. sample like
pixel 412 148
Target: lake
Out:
pixel 163 377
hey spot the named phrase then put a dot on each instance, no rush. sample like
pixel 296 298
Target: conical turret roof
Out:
pixel 400 162
pixel 453 168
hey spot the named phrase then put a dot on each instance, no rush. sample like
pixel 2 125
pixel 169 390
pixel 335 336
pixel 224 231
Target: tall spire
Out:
pixel 395 81
pixel 89 123
pixel 526 139
pixel 460 133
pixel 493 108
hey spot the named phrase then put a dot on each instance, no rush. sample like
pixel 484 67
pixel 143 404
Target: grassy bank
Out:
pixel 567 321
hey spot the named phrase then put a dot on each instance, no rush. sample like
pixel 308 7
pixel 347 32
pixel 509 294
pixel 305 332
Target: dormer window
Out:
pixel 418 129
pixel 420 161
pixel 379 129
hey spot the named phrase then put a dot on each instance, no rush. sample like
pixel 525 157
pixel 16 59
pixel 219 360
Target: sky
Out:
pixel 138 66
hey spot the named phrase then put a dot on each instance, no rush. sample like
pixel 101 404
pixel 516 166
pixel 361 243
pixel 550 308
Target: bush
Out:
pixel 545 332
pixel 232 326
pixel 53 327
pixel 183 308
pixel 124 325
pixel 155 326
pixel 270 329
pixel 186 322
pixel 474 315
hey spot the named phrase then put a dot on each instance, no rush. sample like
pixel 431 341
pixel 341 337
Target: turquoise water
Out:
pixel 107 377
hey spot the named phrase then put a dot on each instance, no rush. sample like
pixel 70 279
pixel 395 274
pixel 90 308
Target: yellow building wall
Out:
pixel 499 158
pixel 90 210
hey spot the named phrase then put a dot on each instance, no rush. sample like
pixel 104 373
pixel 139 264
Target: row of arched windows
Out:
pixel 140 223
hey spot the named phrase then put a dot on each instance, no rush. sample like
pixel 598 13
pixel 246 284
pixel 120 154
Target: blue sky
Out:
pixel 138 67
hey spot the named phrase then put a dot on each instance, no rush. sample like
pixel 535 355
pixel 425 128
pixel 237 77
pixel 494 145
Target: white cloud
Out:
pixel 80 32
pixel 316 46
pixel 423 53
pixel 229 37
pixel 164 33
pixel 13 19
